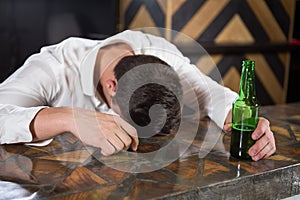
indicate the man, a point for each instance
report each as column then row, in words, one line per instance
column 59, row 90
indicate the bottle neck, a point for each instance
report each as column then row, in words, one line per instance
column 247, row 83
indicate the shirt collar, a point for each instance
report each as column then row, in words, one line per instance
column 88, row 63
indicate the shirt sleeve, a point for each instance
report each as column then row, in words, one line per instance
column 22, row 96
column 214, row 100
column 15, row 122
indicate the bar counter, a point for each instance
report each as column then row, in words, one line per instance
column 67, row 169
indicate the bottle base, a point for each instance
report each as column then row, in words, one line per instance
column 240, row 155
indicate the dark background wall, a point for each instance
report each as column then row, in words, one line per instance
column 26, row 26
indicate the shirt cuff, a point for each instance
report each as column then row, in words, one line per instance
column 17, row 124
column 40, row 143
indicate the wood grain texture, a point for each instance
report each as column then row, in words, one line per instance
column 74, row 174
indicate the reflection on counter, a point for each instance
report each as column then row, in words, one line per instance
column 67, row 169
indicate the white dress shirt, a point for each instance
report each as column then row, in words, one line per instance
column 61, row 75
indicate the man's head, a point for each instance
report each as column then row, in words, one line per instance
column 143, row 82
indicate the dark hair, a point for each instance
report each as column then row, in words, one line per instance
column 152, row 82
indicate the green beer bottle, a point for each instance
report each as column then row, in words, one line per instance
column 244, row 113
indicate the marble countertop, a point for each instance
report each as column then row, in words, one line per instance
column 67, row 169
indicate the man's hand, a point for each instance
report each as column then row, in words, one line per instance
column 265, row 141
column 108, row 132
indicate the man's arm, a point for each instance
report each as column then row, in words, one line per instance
column 265, row 141
column 25, row 117
column 108, row 132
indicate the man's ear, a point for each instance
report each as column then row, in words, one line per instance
column 111, row 85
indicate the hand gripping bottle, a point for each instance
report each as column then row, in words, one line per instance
column 244, row 113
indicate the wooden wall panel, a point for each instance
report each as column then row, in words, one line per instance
column 225, row 22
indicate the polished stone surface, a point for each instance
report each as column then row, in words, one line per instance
column 66, row 169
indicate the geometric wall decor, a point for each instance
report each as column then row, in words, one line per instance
column 225, row 23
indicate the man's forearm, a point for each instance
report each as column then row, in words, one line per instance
column 107, row 132
column 50, row 122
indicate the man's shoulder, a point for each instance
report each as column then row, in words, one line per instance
column 72, row 45
column 78, row 41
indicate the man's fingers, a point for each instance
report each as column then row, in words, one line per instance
column 130, row 130
column 262, row 126
column 114, row 139
column 258, row 146
column 264, row 147
column 265, row 152
column 107, row 148
column 227, row 127
column 124, row 138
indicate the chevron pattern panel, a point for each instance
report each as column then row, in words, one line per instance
column 224, row 22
